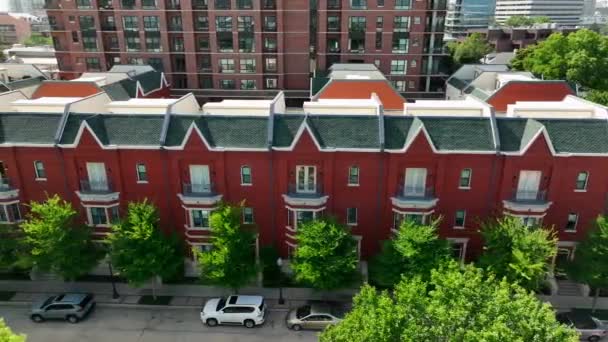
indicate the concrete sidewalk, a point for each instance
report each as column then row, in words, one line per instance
column 184, row 296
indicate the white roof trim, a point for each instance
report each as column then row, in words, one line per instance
column 84, row 125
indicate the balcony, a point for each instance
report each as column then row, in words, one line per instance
column 108, row 27
column 201, row 194
column 94, row 191
column 414, row 197
column 7, row 190
column 305, row 195
column 527, row 201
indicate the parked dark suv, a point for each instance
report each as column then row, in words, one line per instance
column 69, row 306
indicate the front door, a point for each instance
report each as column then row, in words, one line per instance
column 527, row 187
column 98, row 179
column 199, row 178
column 562, row 258
column 415, row 182
column 306, row 179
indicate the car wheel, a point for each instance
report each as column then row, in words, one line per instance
column 212, row 322
column 72, row 319
column 37, row 318
column 593, row 338
column 296, row 327
column 249, row 323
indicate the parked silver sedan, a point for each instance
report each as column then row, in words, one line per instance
column 317, row 315
column 590, row 328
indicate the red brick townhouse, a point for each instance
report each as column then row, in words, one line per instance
column 369, row 170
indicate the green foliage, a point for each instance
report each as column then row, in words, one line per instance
column 454, row 305
column 140, row 251
column 13, row 250
column 36, row 39
column 231, row 261
column 579, row 57
column 57, row 244
column 326, row 255
column 471, row 50
column 7, row 335
column 598, row 96
column 516, row 252
column 517, row 63
column 415, row 250
column 590, row 264
column 520, row 21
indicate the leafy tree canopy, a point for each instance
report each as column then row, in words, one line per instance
column 56, row 242
column 7, row 335
column 520, row 21
column 590, row 264
column 516, row 252
column 598, row 96
column 326, row 255
column 13, row 250
column 453, row 305
column 36, row 39
column 579, row 57
column 139, row 249
column 231, row 261
column 471, row 50
column 415, row 250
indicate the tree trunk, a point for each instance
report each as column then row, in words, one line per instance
column 594, row 303
column 154, row 289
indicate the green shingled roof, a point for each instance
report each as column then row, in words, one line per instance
column 129, row 86
column 577, row 136
column 234, row 132
column 318, row 83
column 32, row 128
column 396, row 129
column 26, row 82
column 116, row 92
column 178, row 126
column 285, row 129
column 469, row 134
column 510, row 133
column 345, row 131
column 148, row 80
column 120, row 129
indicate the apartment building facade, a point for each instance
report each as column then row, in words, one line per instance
column 371, row 171
column 566, row 12
column 464, row 15
column 252, row 48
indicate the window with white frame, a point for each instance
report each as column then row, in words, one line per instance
column 398, row 67
column 142, row 173
column 399, row 218
column 571, row 223
column 353, row 176
column 415, row 182
column 581, row 181
column 531, row 221
column 98, row 216
column 458, row 250
column 297, row 217
column 246, row 175
column 10, row 213
column 205, row 247
column 465, row 179
column 351, row 216
column 199, row 218
column 528, row 185
column 248, row 215
column 459, row 218
column 39, row 169
column 306, row 179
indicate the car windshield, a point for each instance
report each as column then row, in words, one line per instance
column 48, row 301
column 85, row 300
column 261, row 307
column 303, row 311
column 221, row 304
column 338, row 312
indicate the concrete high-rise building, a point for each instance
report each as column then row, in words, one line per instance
column 568, row 12
column 464, row 15
column 35, row 7
column 253, row 48
column 589, row 8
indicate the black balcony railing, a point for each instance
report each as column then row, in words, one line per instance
column 106, row 27
column 305, row 190
column 527, row 196
column 95, row 187
column 198, row 190
column 415, row 192
column 5, row 185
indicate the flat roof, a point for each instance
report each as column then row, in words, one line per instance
column 47, row 101
column 143, row 103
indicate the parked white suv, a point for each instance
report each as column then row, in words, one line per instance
column 242, row 310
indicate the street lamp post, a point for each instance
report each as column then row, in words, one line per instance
column 115, row 294
column 281, row 299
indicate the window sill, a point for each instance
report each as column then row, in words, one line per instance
column 464, row 188
column 352, row 224
column 100, row 225
column 40, row 179
column 142, row 182
column 569, row 231
column 353, row 185
column 250, row 184
column 201, row 229
column 580, row 190
column 458, row 227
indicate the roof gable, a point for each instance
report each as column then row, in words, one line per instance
column 234, row 132
column 515, row 91
column 115, row 130
column 28, row 128
column 345, row 132
column 459, row 134
column 286, row 128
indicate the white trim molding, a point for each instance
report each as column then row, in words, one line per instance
column 200, row 200
column 9, row 194
column 414, row 203
column 109, row 197
column 528, row 207
column 305, row 201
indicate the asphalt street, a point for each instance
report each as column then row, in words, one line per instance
column 149, row 325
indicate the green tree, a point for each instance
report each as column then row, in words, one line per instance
column 519, row 21
column 13, row 250
column 517, row 63
column 140, row 251
column 541, row 20
column 7, row 335
column 598, row 96
column 326, row 255
column 416, row 249
column 471, row 50
column 579, row 57
column 56, row 242
column 517, row 252
column 590, row 264
column 231, row 261
column 453, row 305
column 36, row 39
